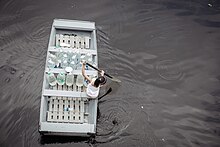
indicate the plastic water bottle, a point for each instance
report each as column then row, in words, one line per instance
column 51, row 79
column 79, row 66
column 73, row 65
column 65, row 57
column 79, row 80
column 61, row 79
column 64, row 64
column 69, row 54
column 73, row 58
column 50, row 63
column 53, row 57
column 59, row 55
column 89, row 60
column 83, row 57
column 89, row 57
column 69, row 79
column 77, row 59
column 58, row 63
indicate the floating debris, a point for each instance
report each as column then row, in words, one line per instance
column 210, row 5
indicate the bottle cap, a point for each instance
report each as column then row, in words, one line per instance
column 68, row 69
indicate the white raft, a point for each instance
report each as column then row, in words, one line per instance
column 65, row 109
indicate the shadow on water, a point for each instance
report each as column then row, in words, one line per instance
column 64, row 139
column 208, row 23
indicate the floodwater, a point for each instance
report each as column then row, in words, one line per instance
column 165, row 52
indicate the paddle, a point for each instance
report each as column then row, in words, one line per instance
column 109, row 90
column 111, row 77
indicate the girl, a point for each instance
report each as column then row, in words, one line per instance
column 94, row 83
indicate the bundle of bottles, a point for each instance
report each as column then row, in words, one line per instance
column 63, row 78
column 68, row 59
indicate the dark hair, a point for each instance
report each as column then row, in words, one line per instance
column 100, row 81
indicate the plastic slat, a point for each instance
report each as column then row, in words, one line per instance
column 68, row 41
column 66, row 118
column 57, row 39
column 87, row 40
column 79, row 88
column 64, row 93
column 74, row 83
column 51, row 104
column 83, row 51
column 71, row 112
column 65, row 38
column 82, row 43
column 77, row 41
column 86, row 106
column 77, row 110
column 65, row 41
column 82, row 109
column 71, row 116
column 49, row 116
column 71, row 103
column 55, row 109
column 50, row 112
column 60, row 109
column 72, row 40
column 61, row 39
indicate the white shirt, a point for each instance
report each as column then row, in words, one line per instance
column 92, row 91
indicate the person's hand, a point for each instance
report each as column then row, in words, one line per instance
column 102, row 73
column 83, row 62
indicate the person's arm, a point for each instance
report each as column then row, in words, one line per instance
column 83, row 72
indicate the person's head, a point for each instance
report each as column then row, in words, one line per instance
column 100, row 81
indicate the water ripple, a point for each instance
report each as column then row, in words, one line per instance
column 169, row 70
column 36, row 29
column 114, row 119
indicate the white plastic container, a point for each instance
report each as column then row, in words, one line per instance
column 73, row 65
column 53, row 57
column 79, row 80
column 69, row 79
column 61, row 79
column 89, row 58
column 64, row 64
column 50, row 63
column 51, row 79
column 65, row 57
column 59, row 55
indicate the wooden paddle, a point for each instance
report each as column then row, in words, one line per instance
column 111, row 77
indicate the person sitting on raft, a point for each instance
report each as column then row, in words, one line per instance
column 94, row 83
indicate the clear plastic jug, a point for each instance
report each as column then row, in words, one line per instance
column 61, row 79
column 51, row 79
column 69, row 79
column 50, row 63
column 79, row 80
